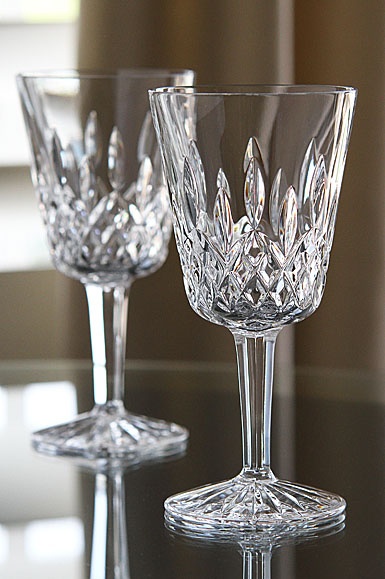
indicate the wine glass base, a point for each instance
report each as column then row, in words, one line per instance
column 245, row 504
column 109, row 432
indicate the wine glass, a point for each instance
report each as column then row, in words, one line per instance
column 254, row 174
column 102, row 195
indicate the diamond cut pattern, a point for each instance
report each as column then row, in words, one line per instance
column 269, row 267
column 102, row 227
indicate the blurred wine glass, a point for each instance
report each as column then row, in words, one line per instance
column 104, row 202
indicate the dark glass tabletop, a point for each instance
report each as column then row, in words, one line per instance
column 63, row 520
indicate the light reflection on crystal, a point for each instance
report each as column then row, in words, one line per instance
column 236, row 274
column 99, row 226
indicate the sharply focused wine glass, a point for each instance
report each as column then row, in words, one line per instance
column 102, row 195
column 254, row 174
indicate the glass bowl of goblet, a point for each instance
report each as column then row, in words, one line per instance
column 255, row 174
column 103, row 199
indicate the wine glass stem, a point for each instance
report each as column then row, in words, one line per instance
column 109, row 537
column 108, row 309
column 120, row 543
column 100, row 527
column 257, row 565
column 255, row 359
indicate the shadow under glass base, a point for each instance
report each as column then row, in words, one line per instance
column 109, row 432
column 245, row 504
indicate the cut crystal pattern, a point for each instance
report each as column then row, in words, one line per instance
column 102, row 229
column 109, row 432
column 245, row 504
column 268, row 268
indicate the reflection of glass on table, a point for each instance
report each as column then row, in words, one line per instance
column 339, row 419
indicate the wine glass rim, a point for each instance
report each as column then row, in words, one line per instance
column 84, row 74
column 253, row 90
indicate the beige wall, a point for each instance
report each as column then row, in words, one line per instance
column 46, row 314
column 343, row 42
column 223, row 43
column 220, row 39
column 336, row 41
column 41, row 316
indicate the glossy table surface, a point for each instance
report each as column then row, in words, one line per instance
column 61, row 520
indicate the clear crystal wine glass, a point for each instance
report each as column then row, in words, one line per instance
column 102, row 195
column 254, row 174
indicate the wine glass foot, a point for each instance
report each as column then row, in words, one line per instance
column 109, row 432
column 245, row 504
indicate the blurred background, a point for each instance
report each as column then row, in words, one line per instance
column 44, row 315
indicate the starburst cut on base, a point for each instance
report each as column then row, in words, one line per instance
column 245, row 504
column 109, row 432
